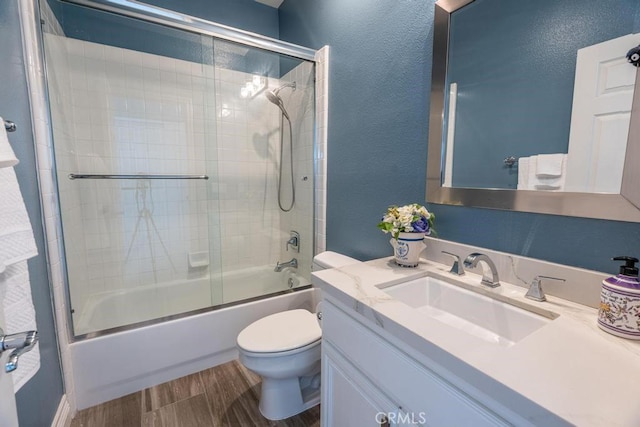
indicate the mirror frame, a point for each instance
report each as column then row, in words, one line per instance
column 619, row 207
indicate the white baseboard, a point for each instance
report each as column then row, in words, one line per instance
column 63, row 414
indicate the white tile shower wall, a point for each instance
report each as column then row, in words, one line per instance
column 249, row 216
column 131, row 113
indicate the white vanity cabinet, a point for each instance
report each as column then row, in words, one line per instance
column 349, row 399
column 367, row 381
column 429, row 348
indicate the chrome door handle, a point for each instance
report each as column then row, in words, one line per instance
column 20, row 343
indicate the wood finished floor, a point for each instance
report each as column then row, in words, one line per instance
column 226, row 395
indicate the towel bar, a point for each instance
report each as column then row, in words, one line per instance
column 95, row 176
column 9, row 126
column 510, row 161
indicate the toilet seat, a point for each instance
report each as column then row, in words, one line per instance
column 281, row 332
column 280, row 354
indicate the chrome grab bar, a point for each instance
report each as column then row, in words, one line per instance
column 101, row 176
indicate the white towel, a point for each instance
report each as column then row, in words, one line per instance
column 523, row 173
column 7, row 157
column 16, row 246
column 547, row 187
column 550, row 165
column 546, row 183
column 16, row 237
column 20, row 316
column 532, row 179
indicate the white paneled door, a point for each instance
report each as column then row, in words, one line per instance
column 602, row 99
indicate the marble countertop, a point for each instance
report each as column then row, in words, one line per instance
column 569, row 367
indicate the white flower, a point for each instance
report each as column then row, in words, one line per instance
column 401, row 219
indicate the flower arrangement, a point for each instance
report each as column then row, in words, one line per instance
column 412, row 218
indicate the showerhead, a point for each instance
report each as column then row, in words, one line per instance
column 273, row 97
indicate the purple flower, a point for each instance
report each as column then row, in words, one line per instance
column 421, row 225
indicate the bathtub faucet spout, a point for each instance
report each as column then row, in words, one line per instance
column 281, row 265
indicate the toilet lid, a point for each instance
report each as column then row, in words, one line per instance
column 278, row 332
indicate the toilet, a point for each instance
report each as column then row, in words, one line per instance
column 284, row 349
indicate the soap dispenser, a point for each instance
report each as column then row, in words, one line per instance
column 619, row 312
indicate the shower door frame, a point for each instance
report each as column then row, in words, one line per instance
column 170, row 18
column 177, row 20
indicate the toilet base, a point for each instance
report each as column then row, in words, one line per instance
column 284, row 398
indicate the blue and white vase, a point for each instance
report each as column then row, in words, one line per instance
column 407, row 248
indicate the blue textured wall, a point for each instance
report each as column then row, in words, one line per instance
column 38, row 399
column 514, row 63
column 380, row 67
column 380, row 81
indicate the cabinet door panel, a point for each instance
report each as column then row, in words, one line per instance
column 348, row 399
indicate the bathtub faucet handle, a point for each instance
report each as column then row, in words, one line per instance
column 294, row 241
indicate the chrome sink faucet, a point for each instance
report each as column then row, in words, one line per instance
column 281, row 265
column 491, row 280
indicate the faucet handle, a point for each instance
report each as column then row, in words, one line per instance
column 457, row 267
column 535, row 291
column 20, row 343
column 294, row 241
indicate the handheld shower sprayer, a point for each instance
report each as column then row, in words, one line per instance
column 273, row 97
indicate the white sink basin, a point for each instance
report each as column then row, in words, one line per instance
column 484, row 317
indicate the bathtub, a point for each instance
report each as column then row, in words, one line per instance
column 114, row 365
column 112, row 309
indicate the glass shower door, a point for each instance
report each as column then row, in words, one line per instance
column 265, row 112
column 185, row 166
column 132, row 117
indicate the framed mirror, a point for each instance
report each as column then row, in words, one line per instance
column 489, row 115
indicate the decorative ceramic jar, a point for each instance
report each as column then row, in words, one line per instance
column 407, row 248
column 619, row 312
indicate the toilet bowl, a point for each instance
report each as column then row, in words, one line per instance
column 284, row 349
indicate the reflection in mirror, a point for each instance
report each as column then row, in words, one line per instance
column 531, row 106
column 544, row 84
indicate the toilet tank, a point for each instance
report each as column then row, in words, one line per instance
column 329, row 259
